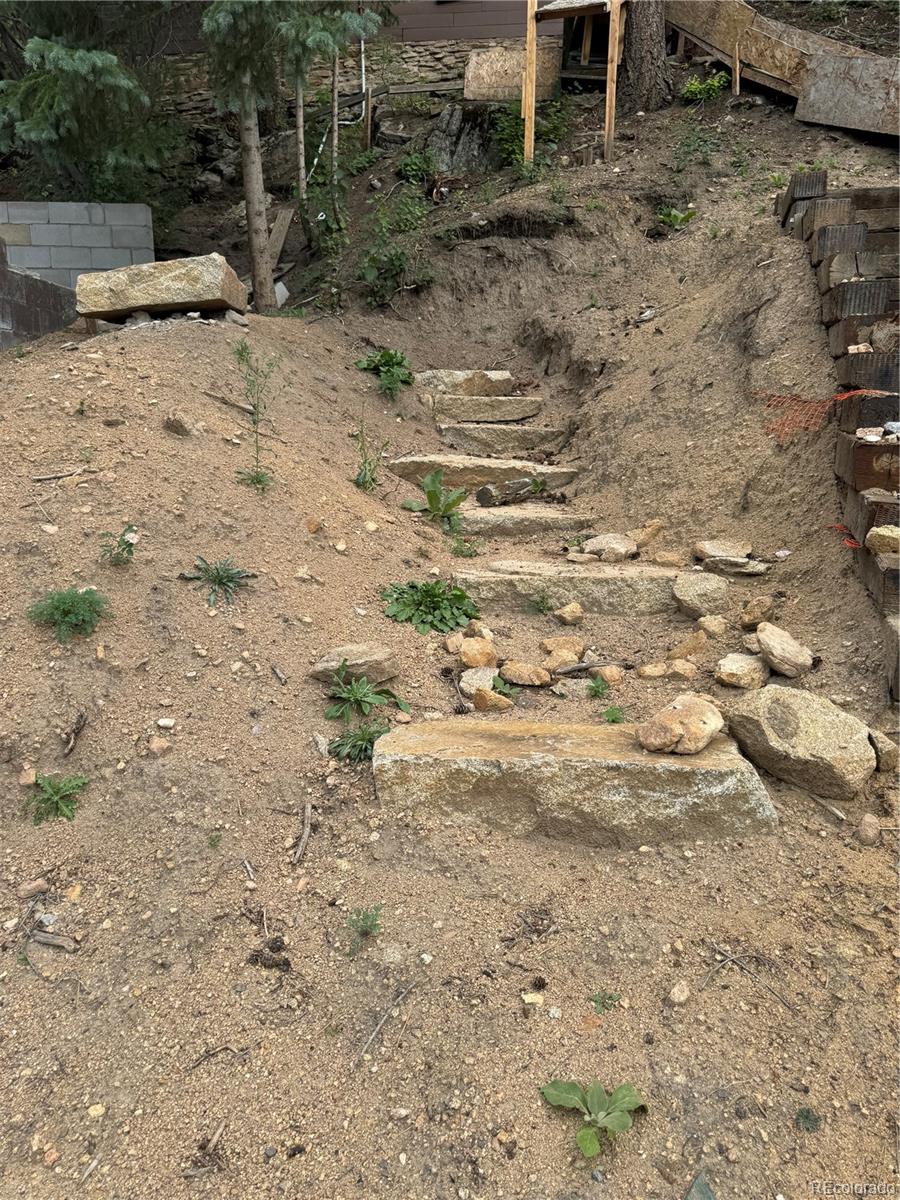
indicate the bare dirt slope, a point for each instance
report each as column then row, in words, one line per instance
column 155, row 1060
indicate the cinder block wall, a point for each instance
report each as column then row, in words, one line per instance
column 58, row 241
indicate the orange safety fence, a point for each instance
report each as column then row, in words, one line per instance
column 803, row 414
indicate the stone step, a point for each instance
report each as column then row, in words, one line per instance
column 464, row 470
column 447, row 406
column 612, row 589
column 519, row 520
column 503, row 441
column 465, row 383
column 591, row 784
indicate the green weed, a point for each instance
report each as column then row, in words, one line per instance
column 222, row 579
column 697, row 90
column 73, row 611
column 674, row 219
column 601, row 1112
column 366, row 478
column 434, row 605
column 118, row 549
column 55, row 797
column 440, row 503
column 542, row 603
column 357, row 697
column 415, row 166
column 463, row 547
column 390, row 368
column 356, row 745
column 696, row 145
column 808, row 1120
column 503, row 688
column 604, row 1002
column 614, row 715
column 257, row 376
column 214, row 841
column 364, row 924
column 597, row 688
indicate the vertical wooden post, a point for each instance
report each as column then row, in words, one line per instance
column 368, row 119
column 736, row 71
column 587, row 34
column 612, row 67
column 528, row 86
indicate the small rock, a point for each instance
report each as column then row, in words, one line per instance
column 139, row 317
column 525, row 674
column 577, row 556
column 609, row 673
column 760, row 608
column 680, row 994
column 868, row 831
column 177, row 423
column 559, row 658
column 490, row 701
column 713, row 626
column 883, row 539
column 742, row 671
column 27, row 776
column 453, row 641
column 50, row 528
column 736, row 566
column 686, row 726
column 159, row 746
column 716, row 549
column 570, row 614
column 477, row 652
column 887, row 756
column 653, row 670
column 669, row 558
column 476, row 679
column 371, row 526
column 236, row 318
column 646, row 533
column 339, row 547
column 782, row 652
column 96, row 1110
column 166, row 722
column 750, row 643
column 573, row 645
column 682, row 669
column 611, row 547
column 699, row 595
column 370, row 659
column 34, row 887
column 692, row 644
column 478, row 629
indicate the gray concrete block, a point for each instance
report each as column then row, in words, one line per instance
column 63, row 278
column 106, row 260
column 138, row 236
column 28, row 211
column 4, row 212
column 71, row 256
column 28, row 258
column 67, row 213
column 15, row 235
column 142, row 256
column 97, row 214
column 91, row 235
column 127, row 214
column 51, row 235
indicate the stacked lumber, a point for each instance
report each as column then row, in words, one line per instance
column 852, row 238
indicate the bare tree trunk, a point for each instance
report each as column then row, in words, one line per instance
column 255, row 200
column 647, row 85
column 335, row 65
column 301, row 144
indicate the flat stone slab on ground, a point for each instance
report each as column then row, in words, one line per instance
column 465, row 383
column 464, row 470
column 447, row 407
column 519, row 520
column 613, row 589
column 202, row 284
column 500, row 440
column 590, row 783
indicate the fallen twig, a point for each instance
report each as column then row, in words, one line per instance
column 72, row 735
column 208, row 1054
column 279, row 674
column 58, row 941
column 300, row 850
column 742, row 966
column 60, row 475
column 378, row 1028
column 251, row 875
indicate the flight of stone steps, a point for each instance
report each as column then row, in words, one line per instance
column 588, row 782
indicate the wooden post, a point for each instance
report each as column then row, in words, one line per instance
column 736, row 71
column 368, row 120
column 587, row 34
column 528, row 87
column 612, row 66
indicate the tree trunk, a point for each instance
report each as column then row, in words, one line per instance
column 255, row 200
column 301, row 145
column 646, row 85
column 335, row 65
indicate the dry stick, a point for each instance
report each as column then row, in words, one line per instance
column 208, row 1054
column 279, row 674
column 61, row 475
column 742, row 966
column 378, row 1028
column 297, row 856
column 72, row 736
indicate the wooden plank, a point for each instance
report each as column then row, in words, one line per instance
column 802, row 185
column 846, row 333
column 876, row 372
column 851, row 92
column 881, row 241
column 826, row 211
column 885, row 196
column 586, row 36
column 280, row 227
column 866, row 265
column 879, row 220
column 836, row 239
column 875, row 264
column 616, row 17
column 837, row 268
column 528, row 86
column 881, row 575
column 866, row 465
column 864, row 510
column 794, row 223
column 867, row 296
column 867, row 409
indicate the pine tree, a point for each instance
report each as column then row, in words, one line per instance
column 647, row 84
column 241, row 37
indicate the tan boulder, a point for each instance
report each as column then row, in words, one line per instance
column 686, row 726
column 644, row 535
column 721, row 549
column 713, row 626
column 699, row 595
column 486, row 700
column 363, row 659
column 609, row 673
column 525, row 674
column 682, row 669
column 694, row 643
column 782, row 652
column 576, row 556
column 669, row 558
column 477, row 652
column 611, row 547
column 559, row 658
column 760, row 608
column 453, row 641
column 742, row 671
column 564, row 642
column 868, row 831
column 887, row 753
column 476, row 678
column 653, row 670
column 478, row 629
column 570, row 614
column 202, row 284
column 883, row 539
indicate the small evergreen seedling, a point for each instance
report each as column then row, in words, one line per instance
column 434, row 605
column 601, row 1112
column 257, row 375
column 365, row 924
column 808, row 1120
column 369, row 462
column 597, row 688
column 440, row 503
column 71, row 612
column 55, row 797
column 390, row 368
column 357, row 696
column 222, row 578
column 118, row 549
column 356, row 745
column 542, row 603
column 614, row 715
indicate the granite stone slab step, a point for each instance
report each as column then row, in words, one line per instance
column 449, row 407
column 465, row 383
column 463, row 470
column 593, row 784
column 502, row 441
column 520, row 520
column 612, row 589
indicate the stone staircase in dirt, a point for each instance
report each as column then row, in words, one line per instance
column 590, row 782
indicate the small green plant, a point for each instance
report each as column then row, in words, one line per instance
column 808, row 1120
column 357, row 696
column 73, row 611
column 214, row 841
column 440, row 503
column 604, row 1002
column 222, row 579
column 55, row 796
column 614, row 715
column 601, row 1112
column 696, row 145
column 364, row 924
column 415, row 166
column 390, row 368
column 597, row 688
column 463, row 547
column 697, row 90
column 542, row 603
column 538, row 487
column 362, row 161
column 434, row 605
column 118, row 549
column 674, row 218
column 503, row 688
column 777, row 178
column 366, row 477
column 356, row 745
column 257, row 375
column 558, row 192
column 81, row 410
